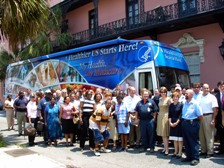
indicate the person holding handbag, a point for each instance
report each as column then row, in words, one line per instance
column 32, row 115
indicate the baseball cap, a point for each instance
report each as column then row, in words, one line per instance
column 178, row 88
column 48, row 91
column 32, row 96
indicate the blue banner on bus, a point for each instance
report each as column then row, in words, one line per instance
column 103, row 64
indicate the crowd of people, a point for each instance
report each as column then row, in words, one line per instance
column 190, row 118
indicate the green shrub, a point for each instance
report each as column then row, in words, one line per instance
column 2, row 142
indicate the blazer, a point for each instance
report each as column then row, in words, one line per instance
column 219, row 115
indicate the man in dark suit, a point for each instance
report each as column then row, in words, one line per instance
column 219, row 126
column 155, row 97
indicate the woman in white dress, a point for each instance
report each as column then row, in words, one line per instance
column 9, row 112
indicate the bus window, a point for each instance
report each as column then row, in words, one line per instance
column 145, row 80
column 129, row 81
column 166, row 77
column 183, row 78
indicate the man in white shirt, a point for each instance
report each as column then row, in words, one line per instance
column 182, row 97
column 131, row 100
column 209, row 106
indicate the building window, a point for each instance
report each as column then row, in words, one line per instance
column 132, row 7
column 187, row 7
column 194, row 58
column 92, row 23
column 193, row 61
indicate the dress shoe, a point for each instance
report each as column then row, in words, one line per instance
column 194, row 162
column 203, row 154
column 178, row 156
column 174, row 155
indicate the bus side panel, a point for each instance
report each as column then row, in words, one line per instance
column 103, row 67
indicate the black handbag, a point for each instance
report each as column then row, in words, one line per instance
column 40, row 126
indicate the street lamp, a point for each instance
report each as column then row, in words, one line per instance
column 221, row 49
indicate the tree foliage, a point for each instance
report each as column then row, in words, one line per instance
column 22, row 20
column 32, row 40
column 5, row 59
column 43, row 43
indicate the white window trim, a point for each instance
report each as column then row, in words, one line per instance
column 188, row 41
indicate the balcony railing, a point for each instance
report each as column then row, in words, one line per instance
column 153, row 17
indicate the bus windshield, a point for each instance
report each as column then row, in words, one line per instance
column 170, row 76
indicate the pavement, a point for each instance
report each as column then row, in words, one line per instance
column 18, row 153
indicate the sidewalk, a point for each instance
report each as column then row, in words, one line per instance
column 16, row 154
column 20, row 154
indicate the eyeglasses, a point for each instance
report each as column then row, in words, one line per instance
column 196, row 87
column 162, row 92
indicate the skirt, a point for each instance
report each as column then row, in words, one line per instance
column 122, row 129
column 67, row 126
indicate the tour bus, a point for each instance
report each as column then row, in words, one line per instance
column 139, row 63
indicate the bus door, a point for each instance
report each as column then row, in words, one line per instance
column 145, row 79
